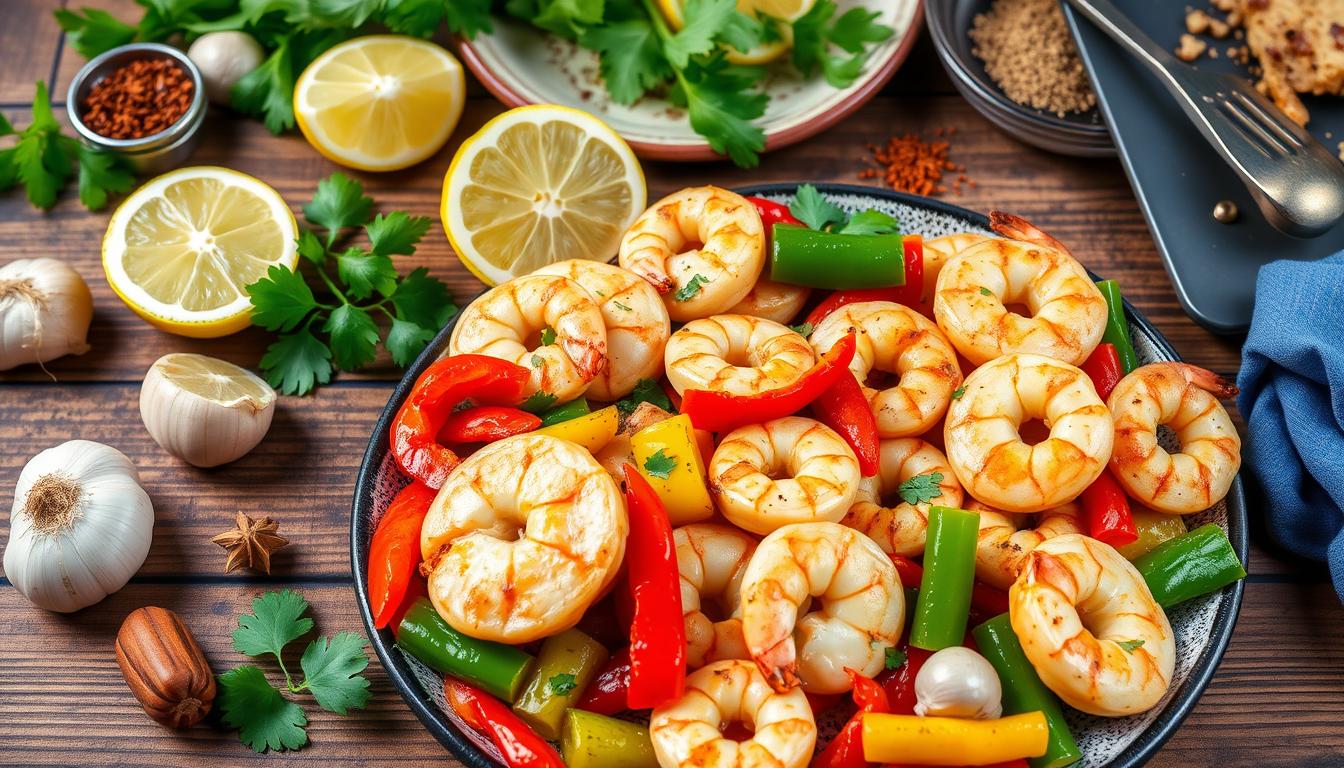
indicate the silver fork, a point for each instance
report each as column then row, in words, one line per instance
column 1296, row 182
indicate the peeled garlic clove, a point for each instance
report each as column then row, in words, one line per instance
column 45, row 309
column 223, row 58
column 205, row 411
column 958, row 682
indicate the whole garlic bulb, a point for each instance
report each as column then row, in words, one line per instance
column 45, row 309
column 958, row 682
column 205, row 411
column 223, row 58
column 80, row 527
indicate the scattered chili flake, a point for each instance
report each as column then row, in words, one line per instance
column 910, row 164
column 138, row 99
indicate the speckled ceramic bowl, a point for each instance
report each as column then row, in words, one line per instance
column 1203, row 627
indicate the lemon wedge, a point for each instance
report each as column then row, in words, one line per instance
column 538, row 185
column 182, row 248
column 380, row 103
column 785, row 11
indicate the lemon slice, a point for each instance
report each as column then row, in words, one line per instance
column 180, row 250
column 215, row 380
column 538, row 185
column 785, row 11
column 380, row 103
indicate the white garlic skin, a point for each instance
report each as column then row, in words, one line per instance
column 958, row 682
column 45, row 310
column 223, row 58
column 66, row 557
column 203, row 432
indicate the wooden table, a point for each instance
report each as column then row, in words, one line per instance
column 1276, row 700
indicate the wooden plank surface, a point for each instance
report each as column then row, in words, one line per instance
column 1274, row 701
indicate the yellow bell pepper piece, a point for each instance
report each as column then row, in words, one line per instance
column 591, row 430
column 1154, row 528
column 951, row 740
column 681, row 485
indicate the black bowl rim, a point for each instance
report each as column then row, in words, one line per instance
column 404, row 680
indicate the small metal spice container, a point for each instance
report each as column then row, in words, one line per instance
column 158, row 152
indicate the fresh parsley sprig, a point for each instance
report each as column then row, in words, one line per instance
column 43, row 159
column 813, row 209
column 366, row 283
column 264, row 716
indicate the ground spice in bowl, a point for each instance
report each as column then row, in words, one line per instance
column 139, row 99
column 1028, row 52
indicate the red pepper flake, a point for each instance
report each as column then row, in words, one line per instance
column 138, row 99
column 910, row 164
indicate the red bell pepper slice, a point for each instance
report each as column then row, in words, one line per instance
column 1103, row 366
column 417, row 589
column 486, row 424
column 773, row 213
column 846, row 749
column 985, row 599
column 520, row 746
column 721, row 412
column 446, row 384
column 844, row 409
column 1106, row 511
column 394, row 551
column 821, row 702
column 609, row 692
column 910, row 294
column 899, row 683
column 657, row 629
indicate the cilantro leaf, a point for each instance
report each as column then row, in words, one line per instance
column 280, row 300
column 40, row 159
column 705, row 21
column 364, row 272
column 985, row 291
column 94, row 32
column 311, row 248
column 423, row 300
column 536, row 361
column 566, row 18
column 9, row 171
column 1129, row 646
column 467, row 17
column 809, row 37
column 921, row 488
column 856, row 28
column 895, row 658
column 721, row 107
column 622, row 307
column 99, row 174
column 660, row 464
column 562, row 683
column 331, row 668
column 339, row 202
column 802, row 329
column 691, row 288
column 406, row 340
column 344, row 13
column 630, row 58
column 813, row 209
column 418, row 18
column 396, row 233
column 853, row 32
column 354, row 337
column 538, row 402
column 547, row 336
column 268, row 90
column 870, row 222
column 276, row 620
column 958, row 392
column 5, row 128
column 645, row 391
column 297, row 362
column 264, row 719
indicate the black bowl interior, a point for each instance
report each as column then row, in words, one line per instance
column 362, row 523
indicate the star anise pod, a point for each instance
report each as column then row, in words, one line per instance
column 251, row 543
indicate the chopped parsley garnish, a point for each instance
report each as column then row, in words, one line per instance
column 660, row 464
column 921, row 488
column 692, row 288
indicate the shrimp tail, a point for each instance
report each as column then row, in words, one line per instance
column 660, row 280
column 1014, row 227
column 779, row 664
column 589, row 357
column 1208, row 381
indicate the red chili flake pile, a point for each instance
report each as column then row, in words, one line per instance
column 910, row 164
column 138, row 99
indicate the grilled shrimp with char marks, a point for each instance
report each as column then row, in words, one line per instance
column 1091, row 628
column 898, row 526
column 711, row 559
column 738, row 354
column 1005, row 539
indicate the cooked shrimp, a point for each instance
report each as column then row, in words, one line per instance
column 936, row 253
column 525, row 534
column 1006, row 539
column 988, row 455
column 780, row 302
column 739, row 354
column 703, row 235
column 635, row 319
column 1091, row 628
column 897, row 525
column 977, row 287
column 508, row 321
column 790, row 470
column 857, row 606
column 894, row 339
column 688, row 732
column 1182, row 397
column 711, row 559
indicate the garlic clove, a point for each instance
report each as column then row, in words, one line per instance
column 205, row 411
column 45, row 310
column 958, row 682
column 223, row 58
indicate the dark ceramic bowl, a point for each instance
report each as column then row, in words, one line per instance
column 1203, row 627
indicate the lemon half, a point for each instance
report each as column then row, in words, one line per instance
column 538, row 185
column 180, row 250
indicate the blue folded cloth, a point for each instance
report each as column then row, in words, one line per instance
column 1292, row 397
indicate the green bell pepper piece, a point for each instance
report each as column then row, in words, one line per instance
column 590, row 740
column 566, row 664
column 1197, row 563
column 949, row 574
column 1023, row 691
column 571, row 410
column 1117, row 327
column 498, row 669
column 803, row 256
